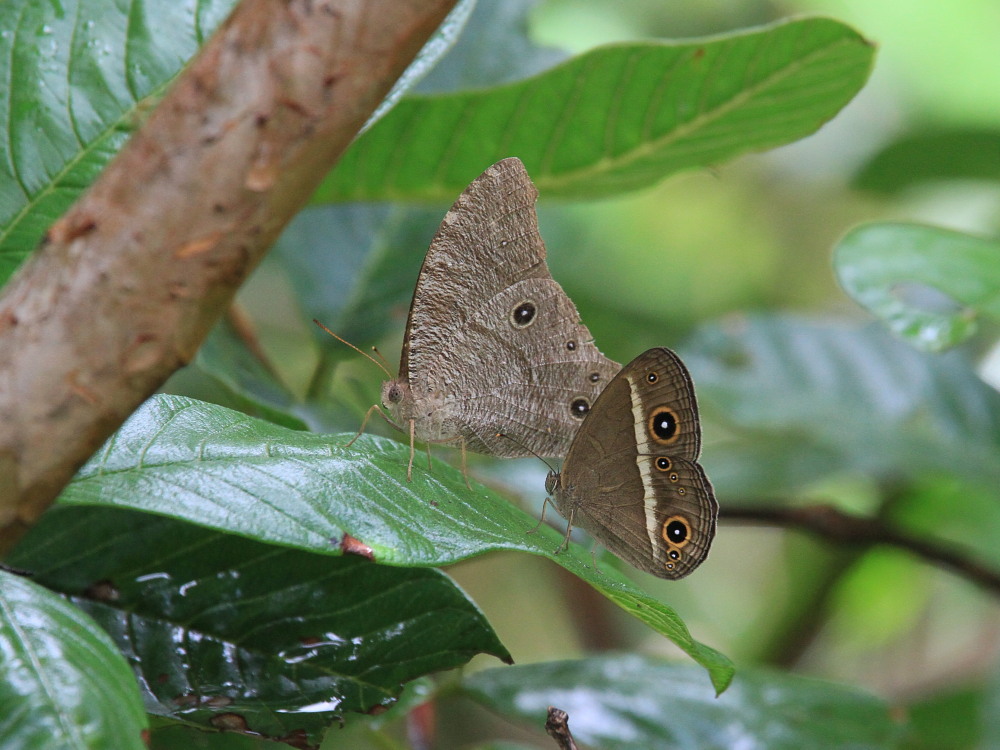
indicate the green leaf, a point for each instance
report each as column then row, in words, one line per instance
column 217, row 625
column 617, row 702
column 886, row 266
column 617, row 118
column 353, row 267
column 494, row 48
column 802, row 400
column 249, row 385
column 180, row 737
column 63, row 684
column 77, row 74
column 934, row 156
column 224, row 470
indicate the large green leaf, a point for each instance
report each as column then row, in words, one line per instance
column 63, row 684
column 885, row 267
column 77, row 74
column 616, row 118
column 221, row 469
column 801, row 400
column 216, row 624
column 630, row 702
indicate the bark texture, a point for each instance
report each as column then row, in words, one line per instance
column 127, row 284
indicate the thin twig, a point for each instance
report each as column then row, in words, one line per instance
column 557, row 726
column 835, row 525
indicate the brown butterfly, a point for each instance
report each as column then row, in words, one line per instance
column 493, row 344
column 631, row 477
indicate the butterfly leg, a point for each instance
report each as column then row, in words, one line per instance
column 569, row 530
column 375, row 408
column 541, row 520
column 465, row 466
column 409, row 466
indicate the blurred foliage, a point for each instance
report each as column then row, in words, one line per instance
column 807, row 399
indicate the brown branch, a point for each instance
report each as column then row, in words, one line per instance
column 836, row 526
column 127, row 284
column 557, row 727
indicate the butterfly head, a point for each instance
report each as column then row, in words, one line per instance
column 393, row 393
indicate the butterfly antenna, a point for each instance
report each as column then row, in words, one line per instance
column 518, row 443
column 363, row 354
column 379, row 355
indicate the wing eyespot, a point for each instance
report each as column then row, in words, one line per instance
column 523, row 314
column 663, row 425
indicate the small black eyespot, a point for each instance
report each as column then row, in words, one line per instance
column 652, row 377
column 674, row 554
column 675, row 530
column 579, row 408
column 672, row 476
column 664, row 464
column 523, row 315
column 571, row 345
column 504, row 243
column 663, row 424
column 669, row 566
column 681, row 491
column 594, row 377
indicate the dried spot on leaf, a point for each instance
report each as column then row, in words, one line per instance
column 102, row 591
column 351, row 546
column 230, row 722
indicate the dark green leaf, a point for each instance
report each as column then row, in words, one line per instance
column 618, row 702
column 354, row 267
column 216, row 624
column 179, row 737
column 249, row 384
column 925, row 157
column 222, row 469
column 798, row 396
column 63, row 684
column 616, row 118
column 928, row 284
column 77, row 73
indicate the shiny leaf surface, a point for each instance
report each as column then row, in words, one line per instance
column 217, row 626
column 630, row 702
column 78, row 74
column 221, row 469
column 927, row 284
column 63, row 684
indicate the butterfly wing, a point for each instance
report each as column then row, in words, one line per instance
column 492, row 339
column 631, row 478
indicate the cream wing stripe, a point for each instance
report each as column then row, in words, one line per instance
column 648, row 498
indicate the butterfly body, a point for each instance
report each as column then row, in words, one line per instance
column 494, row 355
column 631, row 477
